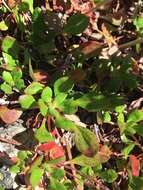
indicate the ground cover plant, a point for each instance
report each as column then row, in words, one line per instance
column 72, row 71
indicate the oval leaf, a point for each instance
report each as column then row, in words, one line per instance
column 34, row 88
column 135, row 164
column 26, row 101
column 63, row 85
column 36, row 176
column 43, row 107
column 9, row 116
column 76, row 24
column 10, row 46
column 47, row 94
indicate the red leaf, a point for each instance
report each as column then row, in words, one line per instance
column 56, row 152
column 9, row 115
column 47, row 146
column 135, row 164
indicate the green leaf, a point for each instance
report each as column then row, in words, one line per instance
column 43, row 107
column 138, row 22
column 6, row 88
column 10, row 61
column 126, row 151
column 47, row 94
column 1, row 188
column 15, row 169
column 27, row 5
column 109, row 176
column 42, row 134
column 106, row 117
column 121, row 122
column 120, row 109
column 60, row 98
column 68, row 106
column 65, row 124
column 135, row 116
column 97, row 102
column 76, row 24
column 37, row 162
column 3, row 26
column 10, row 46
column 56, row 185
column 63, row 85
column 34, row 88
column 22, row 155
column 36, row 176
column 86, row 141
column 56, row 173
column 20, row 84
column 139, row 129
column 99, row 158
column 16, row 74
column 136, row 183
column 26, row 101
column 7, row 77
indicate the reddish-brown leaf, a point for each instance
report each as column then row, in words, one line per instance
column 90, row 47
column 47, row 146
column 77, row 75
column 135, row 164
column 54, row 149
column 56, row 152
column 9, row 115
column 41, row 76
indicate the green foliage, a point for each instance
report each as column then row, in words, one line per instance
column 59, row 42
column 26, row 101
column 33, row 88
column 109, row 176
column 36, row 176
column 42, row 134
column 55, row 185
column 47, row 94
column 138, row 22
column 76, row 24
column 10, row 46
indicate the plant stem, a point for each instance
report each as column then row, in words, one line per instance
column 131, row 43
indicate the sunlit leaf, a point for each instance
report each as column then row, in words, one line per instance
column 34, row 88
column 135, row 116
column 3, row 25
column 36, row 176
column 7, row 77
column 47, row 94
column 43, row 107
column 10, row 46
column 126, row 151
column 42, row 134
column 6, row 88
column 26, row 101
